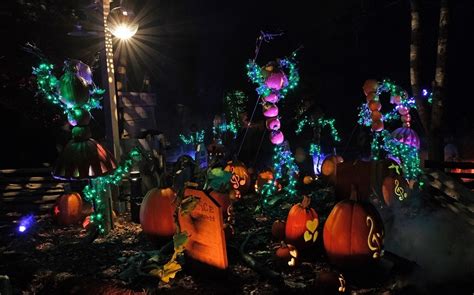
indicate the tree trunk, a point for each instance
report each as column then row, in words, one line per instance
column 421, row 105
column 439, row 91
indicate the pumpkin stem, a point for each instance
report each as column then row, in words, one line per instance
column 354, row 193
column 306, row 201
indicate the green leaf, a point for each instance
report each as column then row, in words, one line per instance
column 179, row 241
column 168, row 271
column 188, row 205
column 218, row 179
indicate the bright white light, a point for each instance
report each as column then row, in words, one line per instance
column 124, row 31
column 22, row 228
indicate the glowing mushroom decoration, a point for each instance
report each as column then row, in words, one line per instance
column 82, row 157
column 407, row 136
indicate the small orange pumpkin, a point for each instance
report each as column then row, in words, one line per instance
column 301, row 225
column 377, row 125
column 156, row 213
column 240, row 179
column 374, row 105
column 278, row 230
column 370, row 86
column 264, row 177
column 353, row 233
column 288, row 254
column 68, row 209
column 329, row 166
column 308, row 179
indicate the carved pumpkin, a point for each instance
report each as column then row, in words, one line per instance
column 240, row 179
column 329, row 282
column 302, row 223
column 353, row 233
column 278, row 230
column 394, row 188
column 68, row 209
column 156, row 213
column 288, row 254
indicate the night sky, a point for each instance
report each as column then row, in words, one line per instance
column 197, row 50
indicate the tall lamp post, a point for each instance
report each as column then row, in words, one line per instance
column 120, row 23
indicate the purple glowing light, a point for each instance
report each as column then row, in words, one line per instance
column 21, row 228
column 425, row 92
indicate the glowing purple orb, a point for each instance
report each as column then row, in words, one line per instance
column 273, row 98
column 276, row 80
column 273, row 124
column 276, row 137
column 270, row 110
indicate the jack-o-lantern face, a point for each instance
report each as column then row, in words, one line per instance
column 240, row 179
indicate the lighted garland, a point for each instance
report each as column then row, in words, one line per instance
column 408, row 155
column 273, row 85
column 94, row 192
column 322, row 122
column 234, row 105
column 256, row 75
column 404, row 142
column 194, row 138
column 224, row 127
column 283, row 161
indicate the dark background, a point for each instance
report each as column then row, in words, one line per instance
column 195, row 51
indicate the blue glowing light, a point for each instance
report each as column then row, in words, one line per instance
column 25, row 223
column 425, row 92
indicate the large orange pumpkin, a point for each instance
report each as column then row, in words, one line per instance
column 240, row 179
column 157, row 213
column 302, row 223
column 353, row 233
column 68, row 209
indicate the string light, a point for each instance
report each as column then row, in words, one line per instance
column 95, row 191
column 222, row 128
column 194, row 138
column 408, row 155
column 283, row 161
column 234, row 105
column 255, row 73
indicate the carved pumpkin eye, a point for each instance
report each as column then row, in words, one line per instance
column 292, row 262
